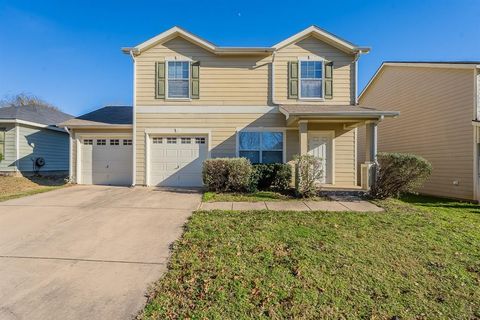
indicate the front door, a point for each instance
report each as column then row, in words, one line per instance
column 320, row 146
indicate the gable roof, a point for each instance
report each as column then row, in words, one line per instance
column 421, row 64
column 312, row 30
column 35, row 114
column 108, row 116
column 325, row 36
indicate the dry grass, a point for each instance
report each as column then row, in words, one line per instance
column 15, row 187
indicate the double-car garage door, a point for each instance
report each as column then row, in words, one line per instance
column 174, row 161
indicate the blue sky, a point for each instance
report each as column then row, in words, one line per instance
column 68, row 52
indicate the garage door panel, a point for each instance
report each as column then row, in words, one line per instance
column 177, row 164
column 109, row 164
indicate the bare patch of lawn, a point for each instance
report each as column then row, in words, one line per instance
column 16, row 187
column 417, row 260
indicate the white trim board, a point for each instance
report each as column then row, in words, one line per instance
column 33, row 124
column 207, row 109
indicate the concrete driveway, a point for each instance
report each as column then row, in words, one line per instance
column 86, row 252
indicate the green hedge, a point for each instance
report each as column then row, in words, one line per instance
column 399, row 173
column 227, row 174
column 275, row 176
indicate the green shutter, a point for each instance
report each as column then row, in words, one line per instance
column 195, row 81
column 160, row 80
column 329, row 80
column 293, row 80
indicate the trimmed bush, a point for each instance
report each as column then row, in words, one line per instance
column 275, row 176
column 308, row 170
column 399, row 173
column 227, row 174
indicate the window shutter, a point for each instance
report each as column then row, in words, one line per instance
column 160, row 80
column 195, row 80
column 293, row 80
column 328, row 80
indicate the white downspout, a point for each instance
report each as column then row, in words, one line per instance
column 355, row 61
column 70, row 153
column 134, row 122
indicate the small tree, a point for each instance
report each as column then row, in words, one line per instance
column 24, row 99
column 308, row 171
column 399, row 173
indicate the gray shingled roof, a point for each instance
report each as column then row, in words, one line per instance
column 334, row 110
column 109, row 115
column 37, row 114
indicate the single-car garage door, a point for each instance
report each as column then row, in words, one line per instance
column 176, row 161
column 106, row 160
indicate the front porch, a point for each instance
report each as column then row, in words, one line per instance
column 330, row 133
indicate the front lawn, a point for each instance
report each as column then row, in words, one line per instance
column 418, row 260
column 251, row 197
column 16, row 187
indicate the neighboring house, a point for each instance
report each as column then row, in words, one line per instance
column 29, row 133
column 194, row 100
column 437, row 101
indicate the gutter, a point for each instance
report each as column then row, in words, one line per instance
column 273, row 80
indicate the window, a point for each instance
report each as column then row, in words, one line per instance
column 2, row 143
column 88, row 142
column 114, row 142
column 157, row 140
column 261, row 147
column 171, row 140
column 127, row 142
column 186, row 140
column 311, row 74
column 178, row 79
column 200, row 140
column 101, row 142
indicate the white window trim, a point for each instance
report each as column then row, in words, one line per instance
column 308, row 59
column 189, row 80
column 283, row 130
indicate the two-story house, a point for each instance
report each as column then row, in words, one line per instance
column 438, row 101
column 194, row 100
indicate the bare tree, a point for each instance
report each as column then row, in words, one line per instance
column 24, row 99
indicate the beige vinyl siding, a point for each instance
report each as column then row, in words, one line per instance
column 242, row 79
column 48, row 144
column 77, row 134
column 10, row 156
column 223, row 130
column 344, row 152
column 343, row 70
column 436, row 110
column 224, row 80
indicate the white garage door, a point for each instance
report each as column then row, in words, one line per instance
column 106, row 161
column 177, row 161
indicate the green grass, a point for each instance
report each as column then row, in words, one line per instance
column 418, row 260
column 251, row 197
column 28, row 193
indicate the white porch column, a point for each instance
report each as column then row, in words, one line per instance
column 368, row 169
column 303, row 136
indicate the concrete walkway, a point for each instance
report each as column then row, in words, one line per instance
column 347, row 204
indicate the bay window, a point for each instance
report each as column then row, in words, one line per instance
column 261, row 146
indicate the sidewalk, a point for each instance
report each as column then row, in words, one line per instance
column 334, row 205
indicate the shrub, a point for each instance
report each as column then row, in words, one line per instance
column 308, row 170
column 275, row 176
column 227, row 174
column 399, row 173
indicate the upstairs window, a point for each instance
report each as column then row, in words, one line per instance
column 261, row 147
column 311, row 74
column 178, row 79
